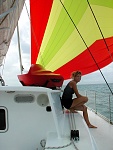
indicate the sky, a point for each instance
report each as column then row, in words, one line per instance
column 11, row 66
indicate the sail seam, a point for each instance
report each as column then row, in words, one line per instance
column 86, row 46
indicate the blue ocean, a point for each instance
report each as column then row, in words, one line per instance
column 100, row 98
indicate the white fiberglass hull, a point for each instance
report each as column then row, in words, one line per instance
column 28, row 123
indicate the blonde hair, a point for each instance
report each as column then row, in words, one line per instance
column 75, row 73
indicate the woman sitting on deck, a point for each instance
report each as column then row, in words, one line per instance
column 78, row 102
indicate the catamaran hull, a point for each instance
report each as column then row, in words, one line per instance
column 32, row 118
column 27, row 122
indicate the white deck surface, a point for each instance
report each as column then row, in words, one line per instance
column 103, row 134
column 85, row 143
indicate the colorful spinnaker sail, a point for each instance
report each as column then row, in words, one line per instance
column 68, row 35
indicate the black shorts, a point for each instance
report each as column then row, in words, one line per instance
column 67, row 103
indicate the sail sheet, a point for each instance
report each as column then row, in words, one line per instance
column 69, row 35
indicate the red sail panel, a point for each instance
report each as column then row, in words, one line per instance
column 84, row 62
column 39, row 10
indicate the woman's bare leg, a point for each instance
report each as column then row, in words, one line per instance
column 79, row 101
column 85, row 115
column 86, row 118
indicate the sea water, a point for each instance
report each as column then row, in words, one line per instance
column 100, row 98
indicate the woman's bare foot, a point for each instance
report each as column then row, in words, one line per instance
column 66, row 111
column 73, row 110
column 91, row 126
column 70, row 111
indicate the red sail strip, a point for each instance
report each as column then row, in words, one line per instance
column 85, row 63
column 39, row 10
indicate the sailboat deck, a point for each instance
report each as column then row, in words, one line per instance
column 103, row 135
column 85, row 140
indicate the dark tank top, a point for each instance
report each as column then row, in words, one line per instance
column 68, row 92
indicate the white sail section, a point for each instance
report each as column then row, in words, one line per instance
column 10, row 11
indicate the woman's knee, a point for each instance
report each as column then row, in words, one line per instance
column 85, row 99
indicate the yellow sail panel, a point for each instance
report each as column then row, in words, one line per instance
column 71, row 32
column 74, row 45
column 60, row 34
column 55, row 12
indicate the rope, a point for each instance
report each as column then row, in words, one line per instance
column 72, row 125
column 34, row 35
column 59, row 147
column 13, row 8
column 73, row 120
column 74, row 144
column 100, row 29
column 86, row 46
